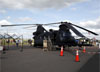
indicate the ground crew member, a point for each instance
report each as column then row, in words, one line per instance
column 17, row 43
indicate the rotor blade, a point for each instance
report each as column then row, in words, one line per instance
column 74, row 30
column 28, row 24
column 17, row 25
column 84, row 29
column 52, row 23
column 45, row 29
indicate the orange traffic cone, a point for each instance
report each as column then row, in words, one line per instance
column 77, row 56
column 61, row 52
column 84, row 50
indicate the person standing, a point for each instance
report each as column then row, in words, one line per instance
column 30, row 42
column 17, row 43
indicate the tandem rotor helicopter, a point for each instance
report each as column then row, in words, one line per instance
column 61, row 37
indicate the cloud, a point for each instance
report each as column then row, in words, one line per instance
column 3, row 11
column 4, row 22
column 39, row 4
column 92, row 24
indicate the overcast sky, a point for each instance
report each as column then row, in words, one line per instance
column 85, row 13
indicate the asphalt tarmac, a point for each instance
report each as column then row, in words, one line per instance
column 36, row 60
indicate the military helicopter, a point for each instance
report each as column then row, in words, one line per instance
column 61, row 37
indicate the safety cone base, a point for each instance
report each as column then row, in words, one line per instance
column 61, row 55
column 77, row 61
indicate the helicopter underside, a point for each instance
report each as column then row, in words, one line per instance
column 68, row 42
column 38, row 42
column 65, row 42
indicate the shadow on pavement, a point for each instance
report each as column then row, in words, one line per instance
column 92, row 65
